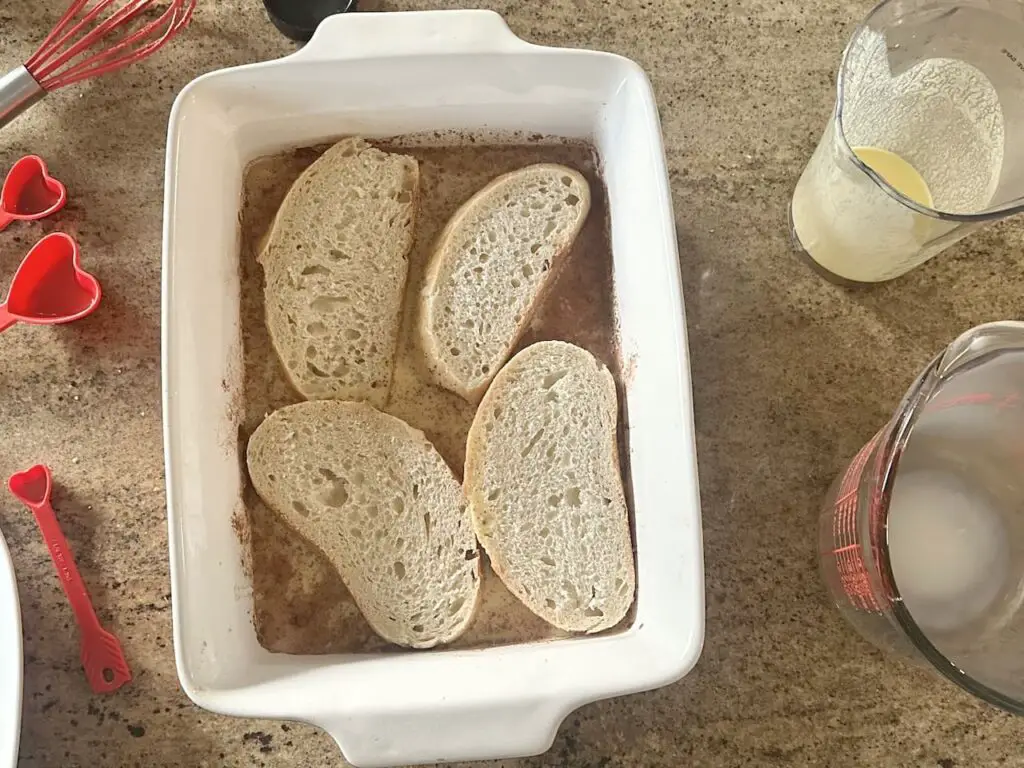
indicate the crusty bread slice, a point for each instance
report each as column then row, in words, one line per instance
column 545, row 489
column 335, row 265
column 376, row 497
column 490, row 267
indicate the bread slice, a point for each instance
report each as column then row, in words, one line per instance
column 545, row 490
column 491, row 265
column 335, row 265
column 373, row 494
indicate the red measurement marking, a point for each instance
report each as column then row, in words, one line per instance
column 1010, row 401
column 846, row 548
column 852, row 570
column 850, row 566
column 980, row 398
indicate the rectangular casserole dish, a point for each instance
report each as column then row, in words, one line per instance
column 393, row 74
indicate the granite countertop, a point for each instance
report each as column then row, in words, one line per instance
column 791, row 375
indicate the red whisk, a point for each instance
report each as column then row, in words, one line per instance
column 93, row 37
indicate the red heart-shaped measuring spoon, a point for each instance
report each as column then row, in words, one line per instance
column 102, row 657
column 50, row 286
column 30, row 192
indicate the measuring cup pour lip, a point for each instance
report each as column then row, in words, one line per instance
column 890, row 448
column 998, row 212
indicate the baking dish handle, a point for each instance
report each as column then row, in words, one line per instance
column 400, row 33
column 447, row 735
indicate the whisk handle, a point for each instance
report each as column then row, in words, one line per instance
column 18, row 91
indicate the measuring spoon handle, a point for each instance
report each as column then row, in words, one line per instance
column 63, row 561
column 6, row 318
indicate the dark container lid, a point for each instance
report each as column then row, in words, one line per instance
column 298, row 19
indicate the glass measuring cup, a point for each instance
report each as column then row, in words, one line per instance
column 921, row 538
column 926, row 141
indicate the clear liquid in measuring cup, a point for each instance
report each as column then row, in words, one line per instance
column 948, row 549
column 952, row 520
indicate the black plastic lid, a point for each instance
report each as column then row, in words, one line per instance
column 298, row 19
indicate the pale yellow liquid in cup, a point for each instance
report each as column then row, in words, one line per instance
column 897, row 172
column 855, row 230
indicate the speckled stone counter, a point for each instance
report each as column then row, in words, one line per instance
column 791, row 376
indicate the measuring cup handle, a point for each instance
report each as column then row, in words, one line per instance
column 5, row 219
column 6, row 318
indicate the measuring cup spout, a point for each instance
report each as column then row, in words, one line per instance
column 980, row 342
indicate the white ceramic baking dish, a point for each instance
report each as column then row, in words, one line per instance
column 385, row 75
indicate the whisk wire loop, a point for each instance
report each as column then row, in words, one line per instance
column 70, row 53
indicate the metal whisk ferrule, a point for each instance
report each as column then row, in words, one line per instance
column 18, row 91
